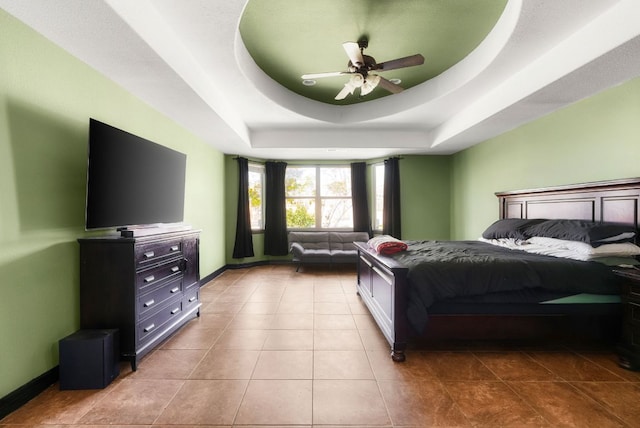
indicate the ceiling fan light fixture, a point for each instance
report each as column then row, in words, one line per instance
column 369, row 84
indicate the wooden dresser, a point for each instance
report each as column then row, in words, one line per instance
column 147, row 287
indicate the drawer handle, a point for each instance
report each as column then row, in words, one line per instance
column 149, row 254
column 175, row 311
column 175, row 290
column 175, row 248
column 175, row 269
column 149, row 278
column 149, row 303
column 193, row 299
column 149, row 328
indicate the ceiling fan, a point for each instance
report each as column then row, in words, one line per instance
column 360, row 67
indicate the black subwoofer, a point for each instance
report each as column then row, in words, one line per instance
column 89, row 359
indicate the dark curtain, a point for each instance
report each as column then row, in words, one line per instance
column 275, row 222
column 244, row 240
column 391, row 199
column 361, row 217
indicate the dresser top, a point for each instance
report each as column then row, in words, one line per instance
column 160, row 235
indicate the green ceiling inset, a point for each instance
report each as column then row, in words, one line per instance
column 288, row 38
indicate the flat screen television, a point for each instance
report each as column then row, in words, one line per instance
column 132, row 182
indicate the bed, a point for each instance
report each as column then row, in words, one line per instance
column 387, row 284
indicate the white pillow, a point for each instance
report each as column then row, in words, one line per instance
column 579, row 250
column 512, row 243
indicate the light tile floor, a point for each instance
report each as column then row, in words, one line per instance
column 280, row 348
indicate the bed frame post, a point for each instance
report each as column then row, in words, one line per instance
column 400, row 321
column 398, row 356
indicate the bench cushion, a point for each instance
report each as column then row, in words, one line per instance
column 310, row 240
column 344, row 256
column 344, row 240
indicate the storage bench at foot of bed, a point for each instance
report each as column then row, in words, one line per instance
column 384, row 296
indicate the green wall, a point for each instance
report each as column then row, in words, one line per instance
column 46, row 100
column 425, row 187
column 595, row 139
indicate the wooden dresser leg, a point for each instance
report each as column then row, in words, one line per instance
column 627, row 363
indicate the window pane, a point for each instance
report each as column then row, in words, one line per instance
column 335, row 182
column 255, row 199
column 319, row 197
column 300, row 181
column 337, row 213
column 301, row 213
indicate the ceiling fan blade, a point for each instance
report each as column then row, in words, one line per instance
column 343, row 93
column 353, row 52
column 389, row 86
column 321, row 75
column 407, row 61
column 356, row 81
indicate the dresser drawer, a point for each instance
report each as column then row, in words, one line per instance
column 158, row 251
column 631, row 337
column 632, row 313
column 149, row 278
column 153, row 324
column 633, row 291
column 635, row 337
column 191, row 298
column 149, row 302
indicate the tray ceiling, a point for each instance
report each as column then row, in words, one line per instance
column 490, row 66
column 287, row 40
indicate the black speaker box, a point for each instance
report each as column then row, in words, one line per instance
column 89, row 359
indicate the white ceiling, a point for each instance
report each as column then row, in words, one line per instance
column 186, row 59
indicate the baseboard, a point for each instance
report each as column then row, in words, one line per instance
column 212, row 275
column 248, row 265
column 18, row 398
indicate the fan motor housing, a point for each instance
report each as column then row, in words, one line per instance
column 369, row 64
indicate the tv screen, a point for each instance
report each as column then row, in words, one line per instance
column 132, row 181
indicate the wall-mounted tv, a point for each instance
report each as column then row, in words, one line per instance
column 131, row 181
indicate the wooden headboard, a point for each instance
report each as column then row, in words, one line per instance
column 612, row 201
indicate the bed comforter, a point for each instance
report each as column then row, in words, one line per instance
column 447, row 269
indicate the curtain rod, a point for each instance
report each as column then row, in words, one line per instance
column 293, row 163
